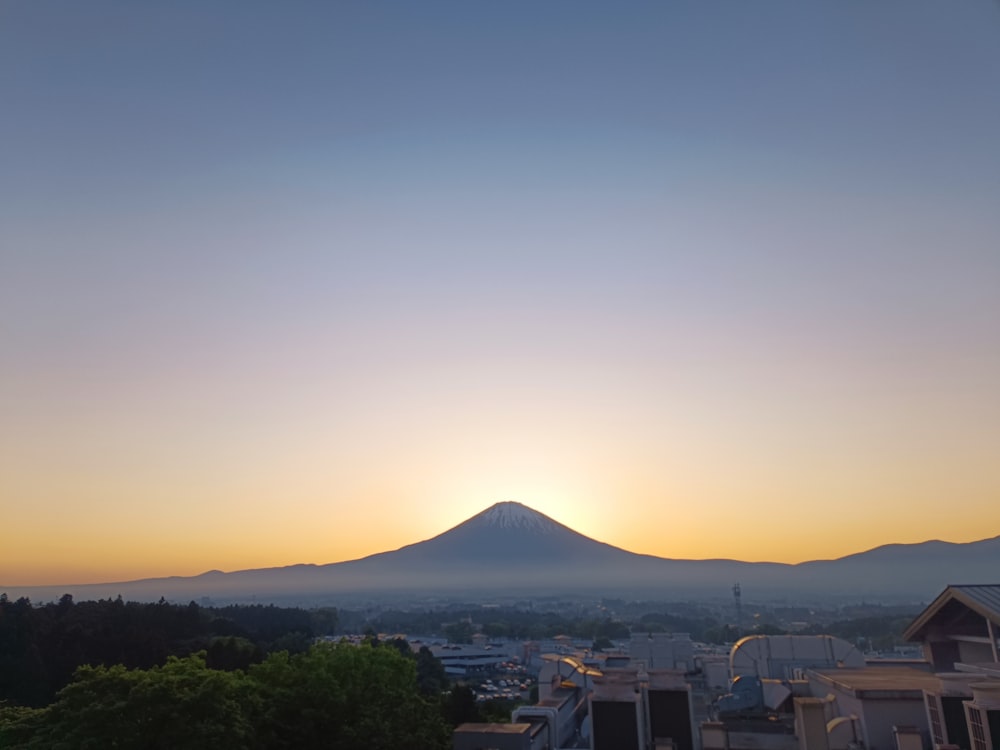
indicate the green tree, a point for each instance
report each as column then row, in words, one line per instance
column 498, row 629
column 721, row 634
column 18, row 724
column 459, row 632
column 324, row 620
column 459, row 706
column 432, row 679
column 231, row 653
column 497, row 711
column 182, row 704
column 346, row 697
column 333, row 696
column 601, row 643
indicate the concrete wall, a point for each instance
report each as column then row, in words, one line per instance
column 879, row 712
column 880, row 716
column 662, row 650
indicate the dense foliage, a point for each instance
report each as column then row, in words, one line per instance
column 330, row 696
column 41, row 647
column 127, row 675
column 130, row 675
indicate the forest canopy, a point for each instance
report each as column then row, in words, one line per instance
column 334, row 695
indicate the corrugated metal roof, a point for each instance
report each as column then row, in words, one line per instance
column 982, row 599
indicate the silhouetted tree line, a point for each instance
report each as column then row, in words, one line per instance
column 41, row 647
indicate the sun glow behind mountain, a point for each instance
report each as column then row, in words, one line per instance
column 297, row 287
column 511, row 550
column 513, row 515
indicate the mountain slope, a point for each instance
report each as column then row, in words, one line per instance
column 510, row 549
column 506, row 533
column 925, row 567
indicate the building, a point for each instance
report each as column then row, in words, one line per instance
column 950, row 700
column 883, row 700
column 959, row 627
column 634, row 708
column 662, row 651
column 462, row 661
column 958, row 633
column 513, row 736
column 785, row 657
column 788, row 693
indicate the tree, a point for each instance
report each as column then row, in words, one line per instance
column 347, row 697
column 497, row 711
column 458, row 706
column 459, row 632
column 497, row 630
column 23, row 674
column 182, row 704
column 231, row 653
column 333, row 696
column 431, row 676
column 324, row 620
column 767, row 628
column 18, row 724
column 602, row 643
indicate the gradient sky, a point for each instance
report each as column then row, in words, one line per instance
column 300, row 282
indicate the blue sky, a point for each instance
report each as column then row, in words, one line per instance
column 654, row 263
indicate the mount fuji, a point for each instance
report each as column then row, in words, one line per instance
column 512, row 550
column 507, row 533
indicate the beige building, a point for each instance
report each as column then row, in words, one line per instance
column 958, row 632
column 830, row 698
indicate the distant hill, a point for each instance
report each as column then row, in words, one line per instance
column 924, row 568
column 511, row 550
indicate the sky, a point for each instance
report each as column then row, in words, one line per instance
column 302, row 282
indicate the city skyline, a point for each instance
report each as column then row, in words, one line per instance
column 301, row 285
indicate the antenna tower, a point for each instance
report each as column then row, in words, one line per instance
column 739, row 610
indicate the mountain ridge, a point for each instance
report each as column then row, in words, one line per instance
column 510, row 547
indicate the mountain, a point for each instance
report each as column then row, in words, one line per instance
column 512, row 550
column 925, row 567
column 506, row 534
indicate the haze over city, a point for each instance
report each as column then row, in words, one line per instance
column 287, row 284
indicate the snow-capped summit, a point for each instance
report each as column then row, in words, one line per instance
column 512, row 515
column 507, row 534
column 513, row 551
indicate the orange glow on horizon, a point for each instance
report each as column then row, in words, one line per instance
column 73, row 560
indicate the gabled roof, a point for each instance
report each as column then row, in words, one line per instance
column 984, row 600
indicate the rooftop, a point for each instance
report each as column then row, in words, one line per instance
column 518, row 728
column 878, row 682
column 984, row 600
column 558, row 697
